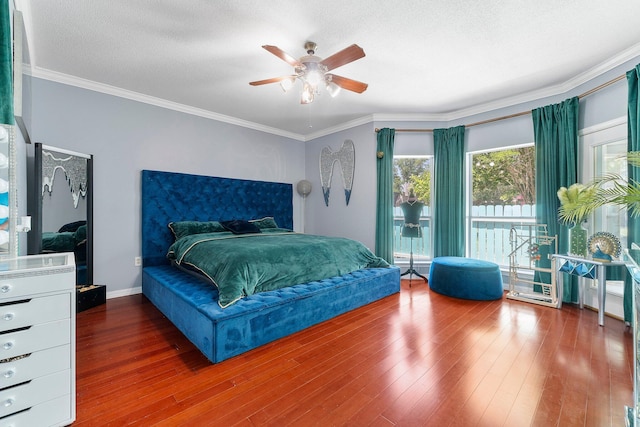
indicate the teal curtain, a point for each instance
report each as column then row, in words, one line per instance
column 633, row 144
column 448, row 201
column 556, row 143
column 384, row 206
column 6, row 81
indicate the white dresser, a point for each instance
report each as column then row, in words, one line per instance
column 37, row 341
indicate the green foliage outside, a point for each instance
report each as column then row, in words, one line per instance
column 412, row 174
column 502, row 177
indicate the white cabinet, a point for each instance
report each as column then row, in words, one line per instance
column 37, row 340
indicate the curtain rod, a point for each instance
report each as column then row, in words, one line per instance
column 522, row 113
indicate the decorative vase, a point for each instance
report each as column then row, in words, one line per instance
column 578, row 240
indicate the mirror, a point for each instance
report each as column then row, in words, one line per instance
column 61, row 207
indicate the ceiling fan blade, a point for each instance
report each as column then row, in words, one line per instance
column 343, row 57
column 348, row 84
column 283, row 55
column 272, row 80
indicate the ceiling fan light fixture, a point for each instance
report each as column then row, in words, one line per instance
column 313, row 72
column 313, row 75
column 307, row 94
column 287, row 83
column 333, row 89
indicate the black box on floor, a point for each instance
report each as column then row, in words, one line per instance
column 88, row 296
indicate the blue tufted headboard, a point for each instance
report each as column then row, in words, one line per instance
column 169, row 196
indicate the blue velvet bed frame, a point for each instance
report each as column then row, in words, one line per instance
column 191, row 304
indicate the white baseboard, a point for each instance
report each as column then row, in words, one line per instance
column 124, row 292
column 614, row 305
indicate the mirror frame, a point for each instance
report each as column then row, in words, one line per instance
column 34, row 205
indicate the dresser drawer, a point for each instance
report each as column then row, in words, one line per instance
column 39, row 390
column 35, row 365
column 54, row 412
column 35, row 310
column 20, row 286
column 37, row 337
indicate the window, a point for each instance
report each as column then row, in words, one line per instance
column 610, row 158
column 605, row 148
column 502, row 194
column 412, row 179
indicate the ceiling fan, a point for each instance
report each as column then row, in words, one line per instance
column 313, row 71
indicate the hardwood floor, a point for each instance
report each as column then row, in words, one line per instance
column 413, row 359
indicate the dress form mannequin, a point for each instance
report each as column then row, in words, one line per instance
column 412, row 209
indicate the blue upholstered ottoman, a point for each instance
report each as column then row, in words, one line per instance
column 466, row 278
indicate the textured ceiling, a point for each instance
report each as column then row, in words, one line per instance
column 424, row 58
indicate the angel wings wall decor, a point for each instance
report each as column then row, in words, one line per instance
column 346, row 157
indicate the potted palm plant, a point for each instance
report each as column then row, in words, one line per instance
column 572, row 212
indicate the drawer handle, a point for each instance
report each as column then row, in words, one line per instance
column 8, row 345
column 9, row 402
column 5, row 288
column 9, row 374
column 8, row 316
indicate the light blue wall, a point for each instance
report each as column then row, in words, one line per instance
column 358, row 219
column 127, row 136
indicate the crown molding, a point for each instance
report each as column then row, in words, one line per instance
column 532, row 96
column 555, row 90
column 54, row 76
column 344, row 126
column 605, row 66
column 412, row 117
column 372, row 118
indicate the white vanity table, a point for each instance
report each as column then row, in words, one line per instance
column 584, row 268
column 37, row 340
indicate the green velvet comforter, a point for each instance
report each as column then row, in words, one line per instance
column 244, row 264
column 58, row 242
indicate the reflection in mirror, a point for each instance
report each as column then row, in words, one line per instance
column 61, row 207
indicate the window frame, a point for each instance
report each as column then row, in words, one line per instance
column 418, row 259
column 598, row 136
column 469, row 219
column 589, row 139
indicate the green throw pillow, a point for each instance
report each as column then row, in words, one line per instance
column 187, row 228
column 267, row 222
